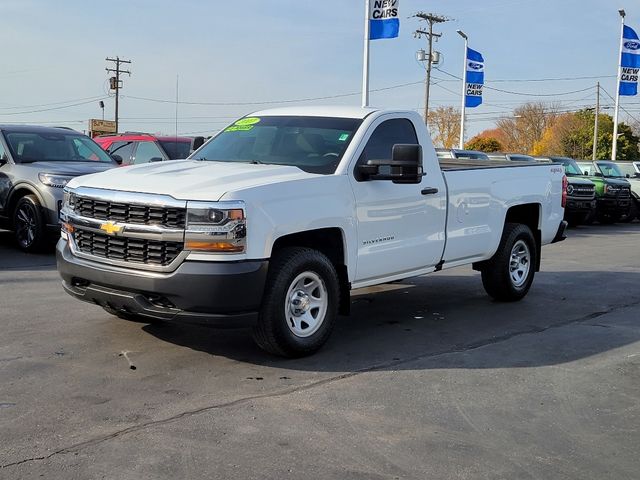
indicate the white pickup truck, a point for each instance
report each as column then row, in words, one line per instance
column 279, row 216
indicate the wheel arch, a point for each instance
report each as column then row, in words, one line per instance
column 330, row 242
column 17, row 192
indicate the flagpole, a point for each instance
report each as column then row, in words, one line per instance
column 614, row 147
column 464, row 88
column 365, row 63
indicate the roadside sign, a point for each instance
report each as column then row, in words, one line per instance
column 100, row 127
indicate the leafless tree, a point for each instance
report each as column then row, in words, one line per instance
column 444, row 124
column 527, row 125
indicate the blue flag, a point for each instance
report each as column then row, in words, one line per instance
column 630, row 62
column 475, row 79
column 383, row 19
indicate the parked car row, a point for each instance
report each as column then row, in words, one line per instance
column 605, row 191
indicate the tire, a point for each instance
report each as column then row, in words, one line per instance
column 28, row 224
column 300, row 303
column 575, row 219
column 132, row 317
column 633, row 213
column 503, row 280
column 590, row 218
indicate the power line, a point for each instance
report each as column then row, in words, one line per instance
column 15, row 107
column 621, row 107
column 51, row 109
column 272, row 102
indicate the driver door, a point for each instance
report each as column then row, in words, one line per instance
column 400, row 226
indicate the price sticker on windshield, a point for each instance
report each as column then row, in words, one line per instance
column 243, row 125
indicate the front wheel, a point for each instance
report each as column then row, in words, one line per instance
column 28, row 224
column 300, row 304
column 508, row 275
column 633, row 213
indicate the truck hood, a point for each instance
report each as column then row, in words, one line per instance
column 190, row 179
column 579, row 180
column 72, row 169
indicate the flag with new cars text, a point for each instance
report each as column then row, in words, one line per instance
column 475, row 79
column 629, row 62
column 384, row 21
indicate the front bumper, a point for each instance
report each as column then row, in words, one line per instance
column 614, row 205
column 578, row 205
column 223, row 294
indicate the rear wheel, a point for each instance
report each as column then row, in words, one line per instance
column 28, row 224
column 300, row 304
column 508, row 275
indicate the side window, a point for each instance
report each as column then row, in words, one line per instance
column 123, row 150
column 385, row 136
column 146, row 151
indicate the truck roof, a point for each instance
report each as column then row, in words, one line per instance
column 324, row 111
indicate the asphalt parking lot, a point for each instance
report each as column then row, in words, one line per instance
column 426, row 379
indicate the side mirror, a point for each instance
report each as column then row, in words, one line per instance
column 599, row 174
column 628, row 176
column 197, row 143
column 405, row 166
column 586, row 172
column 117, row 159
column 155, row 159
column 4, row 160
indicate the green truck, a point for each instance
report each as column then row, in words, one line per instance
column 613, row 191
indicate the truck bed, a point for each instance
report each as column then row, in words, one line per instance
column 448, row 164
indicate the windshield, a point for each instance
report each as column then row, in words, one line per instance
column 176, row 148
column 610, row 169
column 27, row 147
column 571, row 167
column 313, row 144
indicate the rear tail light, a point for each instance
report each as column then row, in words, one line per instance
column 565, row 184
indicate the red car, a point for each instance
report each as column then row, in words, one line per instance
column 132, row 148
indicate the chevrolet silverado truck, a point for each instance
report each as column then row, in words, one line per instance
column 613, row 193
column 581, row 192
column 279, row 216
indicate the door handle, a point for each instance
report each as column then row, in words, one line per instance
column 429, row 191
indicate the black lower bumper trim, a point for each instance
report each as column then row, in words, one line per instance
column 561, row 233
column 223, row 294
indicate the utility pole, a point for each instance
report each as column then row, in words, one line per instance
column 431, row 19
column 595, row 125
column 114, row 82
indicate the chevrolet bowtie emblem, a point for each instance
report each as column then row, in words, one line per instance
column 110, row 228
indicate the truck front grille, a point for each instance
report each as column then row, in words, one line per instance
column 583, row 191
column 624, row 193
column 135, row 250
column 129, row 213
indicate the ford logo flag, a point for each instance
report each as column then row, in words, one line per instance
column 629, row 62
column 474, row 79
column 632, row 45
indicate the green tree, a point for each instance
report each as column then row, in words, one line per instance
column 484, row 144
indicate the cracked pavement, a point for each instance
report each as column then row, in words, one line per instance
column 427, row 379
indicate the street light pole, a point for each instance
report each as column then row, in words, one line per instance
column 464, row 87
column 595, row 125
column 614, row 148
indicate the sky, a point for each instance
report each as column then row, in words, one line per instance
column 245, row 55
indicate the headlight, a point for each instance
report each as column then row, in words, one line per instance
column 610, row 189
column 219, row 227
column 58, row 181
